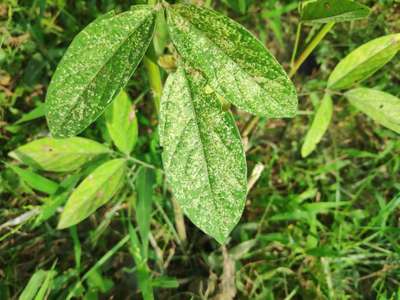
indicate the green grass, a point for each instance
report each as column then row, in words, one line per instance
column 325, row 227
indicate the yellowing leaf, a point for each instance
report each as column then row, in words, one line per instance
column 121, row 123
column 96, row 66
column 93, row 192
column 58, row 155
column 364, row 61
column 382, row 107
column 319, row 126
column 203, row 155
column 236, row 65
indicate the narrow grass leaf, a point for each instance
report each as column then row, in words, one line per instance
column 122, row 123
column 33, row 286
column 382, row 107
column 318, row 127
column 45, row 288
column 144, row 187
column 58, row 155
column 96, row 66
column 203, row 155
column 364, row 61
column 93, row 192
column 36, row 181
column 236, row 65
column 142, row 270
column 325, row 11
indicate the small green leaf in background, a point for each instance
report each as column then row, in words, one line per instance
column 34, row 114
column 58, row 155
column 36, row 181
column 93, row 192
column 382, row 107
column 364, row 61
column 236, row 65
column 325, row 11
column 96, row 66
column 122, row 123
column 203, row 155
column 319, row 126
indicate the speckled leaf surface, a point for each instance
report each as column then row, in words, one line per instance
column 324, row 11
column 203, row 155
column 382, row 107
column 96, row 66
column 364, row 61
column 58, row 155
column 122, row 123
column 234, row 62
column 319, row 126
column 93, row 192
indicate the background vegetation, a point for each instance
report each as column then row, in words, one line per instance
column 324, row 227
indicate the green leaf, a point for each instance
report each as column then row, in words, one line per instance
column 236, row 65
column 364, row 61
column 93, row 192
column 58, row 155
column 96, row 66
column 325, row 11
column 379, row 106
column 36, row 181
column 33, row 286
column 319, row 126
column 122, row 123
column 34, row 114
column 203, row 155
column 144, row 187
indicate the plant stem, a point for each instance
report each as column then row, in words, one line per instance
column 156, row 86
column 296, row 44
column 314, row 43
column 180, row 222
column 155, row 81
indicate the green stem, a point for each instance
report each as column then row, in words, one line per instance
column 156, row 86
column 155, row 81
column 296, row 44
column 314, row 43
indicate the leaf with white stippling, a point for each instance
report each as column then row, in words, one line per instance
column 93, row 192
column 203, row 155
column 382, row 107
column 96, row 66
column 236, row 65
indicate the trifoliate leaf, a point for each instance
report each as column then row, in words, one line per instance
column 96, row 66
column 236, row 65
column 203, row 155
